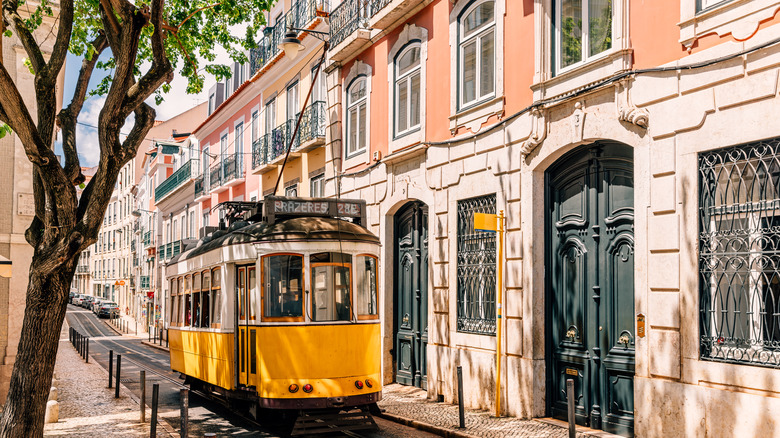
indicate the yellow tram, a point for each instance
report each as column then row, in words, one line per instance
column 280, row 310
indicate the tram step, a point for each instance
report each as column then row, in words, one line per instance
column 314, row 422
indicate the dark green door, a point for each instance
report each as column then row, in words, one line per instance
column 590, row 284
column 411, row 294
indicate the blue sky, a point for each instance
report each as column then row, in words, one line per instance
column 177, row 101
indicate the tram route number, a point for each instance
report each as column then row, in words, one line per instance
column 348, row 209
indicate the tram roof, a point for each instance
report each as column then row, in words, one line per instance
column 295, row 229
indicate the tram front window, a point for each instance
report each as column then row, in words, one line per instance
column 366, row 285
column 330, row 279
column 283, row 286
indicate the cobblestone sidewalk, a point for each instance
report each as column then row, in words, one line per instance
column 409, row 405
column 87, row 407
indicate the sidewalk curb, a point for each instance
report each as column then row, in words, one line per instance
column 153, row 345
column 126, row 391
column 425, row 427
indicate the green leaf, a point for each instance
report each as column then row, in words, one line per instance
column 8, row 33
column 4, row 129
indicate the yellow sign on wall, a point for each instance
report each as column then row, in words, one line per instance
column 485, row 222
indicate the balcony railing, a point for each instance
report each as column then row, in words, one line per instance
column 170, row 250
column 274, row 145
column 299, row 16
column 82, row 269
column 215, row 177
column 182, row 174
column 226, row 171
column 145, row 282
column 200, row 186
column 147, row 239
column 350, row 15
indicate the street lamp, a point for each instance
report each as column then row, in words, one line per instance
column 291, row 45
column 137, row 213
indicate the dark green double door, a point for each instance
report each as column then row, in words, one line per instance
column 590, row 285
column 411, row 294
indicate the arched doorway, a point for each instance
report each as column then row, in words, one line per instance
column 590, row 286
column 411, row 294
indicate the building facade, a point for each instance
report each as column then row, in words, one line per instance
column 630, row 147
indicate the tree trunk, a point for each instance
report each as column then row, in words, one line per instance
column 47, row 296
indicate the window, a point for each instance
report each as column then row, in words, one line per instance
column 282, row 293
column 476, row 311
column 583, row 30
column 270, row 116
column 293, row 104
column 407, row 90
column 206, row 218
column 193, row 234
column 223, row 146
column 203, row 309
column 212, row 99
column 239, row 147
column 319, row 92
column 331, row 293
column 366, row 287
column 739, row 283
column 357, row 98
column 255, row 126
column 477, row 54
column 317, row 186
column 291, row 191
column 216, row 299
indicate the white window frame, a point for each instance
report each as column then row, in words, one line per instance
column 411, row 34
column 255, row 124
column 476, row 37
column 475, row 114
column 292, row 96
column 352, row 150
column 238, row 145
column 359, row 68
column 584, row 40
column 407, row 78
column 317, row 181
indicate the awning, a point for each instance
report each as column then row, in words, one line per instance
column 5, row 267
column 168, row 148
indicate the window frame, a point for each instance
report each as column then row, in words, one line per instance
column 407, row 77
column 476, row 37
column 263, row 316
column 585, row 48
column 319, row 181
column 368, row 317
column 350, row 292
column 215, row 306
column 356, row 105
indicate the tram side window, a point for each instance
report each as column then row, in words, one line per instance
column 171, row 297
column 216, row 298
column 330, row 279
column 283, row 287
column 188, row 299
column 366, row 285
column 203, row 307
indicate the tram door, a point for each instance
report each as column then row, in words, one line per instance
column 246, row 301
column 411, row 295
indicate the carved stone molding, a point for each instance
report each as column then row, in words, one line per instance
column 538, row 132
column 626, row 110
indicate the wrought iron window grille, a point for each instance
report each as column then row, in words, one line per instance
column 476, row 269
column 739, row 254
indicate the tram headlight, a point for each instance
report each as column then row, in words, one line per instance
column 293, row 388
column 308, row 388
column 369, row 384
column 358, row 384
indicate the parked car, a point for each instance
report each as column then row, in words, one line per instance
column 108, row 309
column 96, row 304
column 78, row 299
column 71, row 295
column 87, row 301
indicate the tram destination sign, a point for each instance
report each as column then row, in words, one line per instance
column 277, row 206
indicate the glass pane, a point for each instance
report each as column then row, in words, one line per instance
column 352, row 144
column 571, row 32
column 414, row 109
column 469, row 72
column 187, row 310
column 216, row 307
column 362, row 127
column 283, row 288
column 409, row 60
column 479, row 16
column 487, row 64
column 600, row 22
column 196, row 309
column 366, row 285
column 403, row 101
column 358, row 91
column 254, row 296
column 241, row 293
column 205, row 308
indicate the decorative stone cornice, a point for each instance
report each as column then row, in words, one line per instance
column 626, row 110
column 538, row 131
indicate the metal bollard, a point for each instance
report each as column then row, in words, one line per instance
column 461, row 412
column 155, row 392
column 570, row 401
column 143, row 396
column 166, row 338
column 110, row 366
column 86, row 352
column 118, row 372
column 149, row 333
column 185, row 405
column 70, row 335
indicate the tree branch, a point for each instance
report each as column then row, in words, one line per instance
column 10, row 9
column 68, row 117
column 60, row 50
column 19, row 119
column 161, row 70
